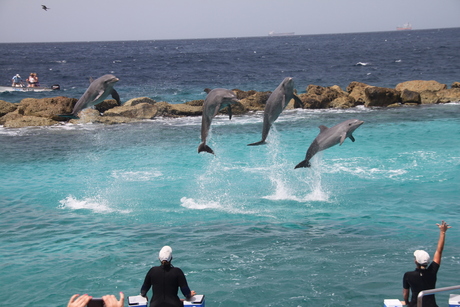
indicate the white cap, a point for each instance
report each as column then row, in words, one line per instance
column 165, row 253
column 422, row 257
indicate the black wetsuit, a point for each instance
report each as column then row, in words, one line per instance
column 165, row 281
column 420, row 280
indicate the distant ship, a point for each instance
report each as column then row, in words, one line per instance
column 406, row 26
column 273, row 33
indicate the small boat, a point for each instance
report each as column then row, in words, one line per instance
column 273, row 33
column 29, row 89
column 406, row 26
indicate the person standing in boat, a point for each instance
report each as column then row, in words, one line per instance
column 424, row 276
column 17, row 81
column 33, row 80
column 165, row 281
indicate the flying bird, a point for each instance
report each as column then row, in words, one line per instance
column 45, row 7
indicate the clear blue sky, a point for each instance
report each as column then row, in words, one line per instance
column 102, row 20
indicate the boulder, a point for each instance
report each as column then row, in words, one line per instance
column 138, row 111
column 182, row 109
column 195, row 103
column 356, row 91
column 106, row 105
column 455, row 85
column 86, row 116
column 449, row 95
column 429, row 97
column 420, row 86
column 243, row 94
column 380, row 96
column 7, row 107
column 255, row 102
column 135, row 101
column 343, row 102
column 319, row 97
column 408, row 96
column 10, row 116
column 47, row 107
column 27, row 121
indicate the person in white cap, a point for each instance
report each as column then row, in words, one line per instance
column 165, row 281
column 17, row 81
column 424, row 276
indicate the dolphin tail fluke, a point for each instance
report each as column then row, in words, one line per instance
column 204, row 147
column 258, row 143
column 71, row 116
column 304, row 163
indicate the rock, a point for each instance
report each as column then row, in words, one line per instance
column 87, row 116
column 243, row 94
column 420, row 86
column 319, row 97
column 429, row 97
column 138, row 111
column 47, row 107
column 27, row 121
column 343, row 102
column 179, row 110
column 10, row 116
column 195, row 103
column 7, row 107
column 449, row 95
column 255, row 102
column 135, row 101
column 106, row 105
column 408, row 96
column 356, row 91
column 455, row 85
column 380, row 96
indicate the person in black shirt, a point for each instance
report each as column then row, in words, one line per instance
column 165, row 281
column 424, row 276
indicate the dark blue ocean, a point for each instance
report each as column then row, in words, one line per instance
column 86, row 208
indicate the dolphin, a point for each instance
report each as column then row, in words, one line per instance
column 216, row 100
column 329, row 137
column 97, row 91
column 276, row 103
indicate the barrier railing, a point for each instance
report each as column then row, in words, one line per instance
column 433, row 291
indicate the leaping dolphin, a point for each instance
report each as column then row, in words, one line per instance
column 97, row 91
column 276, row 103
column 216, row 100
column 329, row 137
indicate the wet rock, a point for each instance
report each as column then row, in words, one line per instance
column 429, row 97
column 256, row 101
column 356, row 90
column 47, row 107
column 408, row 96
column 28, row 121
column 139, row 111
column 420, row 86
column 381, row 96
column 449, row 95
column 455, row 85
column 106, row 105
column 135, row 101
column 7, row 107
column 319, row 97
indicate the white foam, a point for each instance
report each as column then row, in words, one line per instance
column 94, row 204
column 136, row 175
column 191, row 203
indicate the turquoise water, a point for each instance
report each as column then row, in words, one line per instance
column 86, row 208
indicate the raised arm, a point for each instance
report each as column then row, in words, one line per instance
column 442, row 237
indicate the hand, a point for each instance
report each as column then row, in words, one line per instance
column 192, row 293
column 111, row 300
column 444, row 226
column 82, row 301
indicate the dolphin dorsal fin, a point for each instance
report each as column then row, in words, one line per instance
column 322, row 128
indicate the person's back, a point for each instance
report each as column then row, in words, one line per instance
column 424, row 277
column 165, row 281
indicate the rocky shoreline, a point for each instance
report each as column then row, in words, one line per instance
column 45, row 111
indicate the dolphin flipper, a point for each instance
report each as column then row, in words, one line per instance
column 342, row 138
column 351, row 138
column 297, row 102
column 115, row 96
column 229, row 112
column 204, row 147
